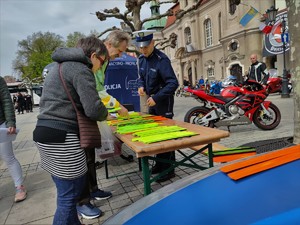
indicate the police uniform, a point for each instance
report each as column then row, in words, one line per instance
column 157, row 77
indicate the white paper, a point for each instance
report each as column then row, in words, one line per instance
column 5, row 137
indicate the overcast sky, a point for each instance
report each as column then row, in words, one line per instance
column 21, row 18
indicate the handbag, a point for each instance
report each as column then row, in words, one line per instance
column 89, row 133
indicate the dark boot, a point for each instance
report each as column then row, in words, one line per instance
column 159, row 166
column 166, row 177
column 156, row 169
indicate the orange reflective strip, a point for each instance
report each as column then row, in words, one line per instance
column 228, row 158
column 261, row 158
column 250, row 170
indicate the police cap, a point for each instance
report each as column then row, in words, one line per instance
column 143, row 37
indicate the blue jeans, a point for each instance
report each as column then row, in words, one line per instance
column 68, row 192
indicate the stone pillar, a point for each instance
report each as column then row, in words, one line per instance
column 193, row 72
column 180, row 77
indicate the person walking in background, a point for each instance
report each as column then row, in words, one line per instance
column 116, row 43
column 8, row 121
column 258, row 70
column 56, row 133
column 157, row 80
column 186, row 82
column 201, row 81
column 20, row 101
column 14, row 98
column 28, row 102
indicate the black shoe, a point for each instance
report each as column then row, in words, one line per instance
column 166, row 177
column 156, row 169
column 99, row 165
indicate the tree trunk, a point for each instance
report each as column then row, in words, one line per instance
column 293, row 7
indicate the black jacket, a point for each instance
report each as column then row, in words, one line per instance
column 157, row 76
column 258, row 72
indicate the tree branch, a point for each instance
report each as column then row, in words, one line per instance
column 179, row 14
column 102, row 16
column 107, row 30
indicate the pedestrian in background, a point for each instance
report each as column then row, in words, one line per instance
column 56, row 133
column 28, row 102
column 158, row 81
column 21, row 103
column 186, row 82
column 15, row 101
column 258, row 70
column 201, row 81
column 8, row 121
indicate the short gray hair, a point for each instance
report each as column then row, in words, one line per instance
column 116, row 37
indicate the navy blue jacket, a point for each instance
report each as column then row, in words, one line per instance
column 157, row 76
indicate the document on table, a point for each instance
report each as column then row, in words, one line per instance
column 5, row 137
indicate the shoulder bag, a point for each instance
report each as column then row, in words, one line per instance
column 89, row 133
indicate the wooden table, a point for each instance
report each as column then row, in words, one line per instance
column 144, row 152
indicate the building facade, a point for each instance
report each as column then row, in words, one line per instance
column 211, row 42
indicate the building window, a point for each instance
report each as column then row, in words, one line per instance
column 210, row 72
column 187, row 36
column 208, row 32
column 233, row 46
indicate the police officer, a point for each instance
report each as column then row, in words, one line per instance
column 258, row 70
column 158, row 81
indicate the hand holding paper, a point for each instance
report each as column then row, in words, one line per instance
column 8, row 134
column 11, row 130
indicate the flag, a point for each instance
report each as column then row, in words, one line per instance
column 248, row 16
column 265, row 28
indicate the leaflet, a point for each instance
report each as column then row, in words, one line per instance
column 5, row 137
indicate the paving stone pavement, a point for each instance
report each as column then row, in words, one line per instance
column 40, row 205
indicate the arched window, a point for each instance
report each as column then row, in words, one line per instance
column 208, row 32
column 187, row 35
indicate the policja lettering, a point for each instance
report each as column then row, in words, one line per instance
column 112, row 86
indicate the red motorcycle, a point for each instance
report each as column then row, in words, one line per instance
column 275, row 82
column 236, row 105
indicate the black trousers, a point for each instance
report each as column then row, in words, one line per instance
column 91, row 184
column 164, row 108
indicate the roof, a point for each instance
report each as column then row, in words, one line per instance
column 171, row 19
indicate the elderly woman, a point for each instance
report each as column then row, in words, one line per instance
column 56, row 132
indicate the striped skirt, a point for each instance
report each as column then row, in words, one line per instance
column 64, row 160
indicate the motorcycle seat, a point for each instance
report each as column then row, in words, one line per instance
column 223, row 98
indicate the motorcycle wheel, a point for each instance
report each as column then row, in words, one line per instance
column 263, row 121
column 197, row 113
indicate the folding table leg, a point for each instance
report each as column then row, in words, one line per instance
column 106, row 169
column 210, row 155
column 146, row 175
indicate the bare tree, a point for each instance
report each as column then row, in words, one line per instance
column 132, row 16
